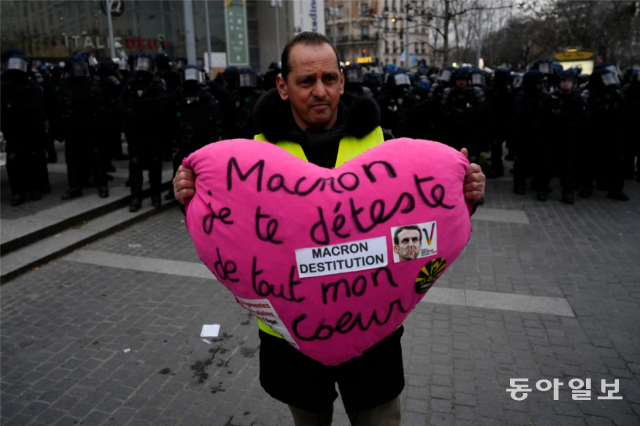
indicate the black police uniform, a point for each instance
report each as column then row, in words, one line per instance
column 245, row 97
column 144, row 103
column 605, row 104
column 525, row 113
column 631, row 144
column 84, row 109
column 501, row 95
column 461, row 113
column 22, row 124
column 558, row 132
column 392, row 101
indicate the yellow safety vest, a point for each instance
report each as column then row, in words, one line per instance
column 350, row 147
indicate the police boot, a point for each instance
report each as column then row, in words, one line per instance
column 15, row 171
column 155, row 177
column 618, row 195
column 100, row 173
column 135, row 179
column 74, row 177
column 567, row 198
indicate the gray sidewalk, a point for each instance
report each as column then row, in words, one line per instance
column 543, row 291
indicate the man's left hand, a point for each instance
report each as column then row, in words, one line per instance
column 474, row 181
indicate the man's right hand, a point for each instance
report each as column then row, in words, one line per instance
column 184, row 184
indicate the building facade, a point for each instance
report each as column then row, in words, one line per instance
column 375, row 31
column 50, row 30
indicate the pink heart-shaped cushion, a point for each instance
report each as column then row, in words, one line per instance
column 311, row 251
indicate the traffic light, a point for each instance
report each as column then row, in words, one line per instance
column 364, row 52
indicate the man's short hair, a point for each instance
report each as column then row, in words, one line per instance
column 404, row 228
column 307, row 38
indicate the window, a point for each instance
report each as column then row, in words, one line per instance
column 364, row 31
column 364, row 9
column 386, row 24
column 423, row 47
column 416, row 47
column 327, row 15
column 386, row 5
column 386, row 48
column 340, row 12
column 394, row 47
column 341, row 36
column 394, row 61
column 393, row 5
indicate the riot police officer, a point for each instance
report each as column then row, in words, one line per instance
column 605, row 102
column 546, row 67
column 557, row 130
column 84, row 109
column 525, row 113
column 112, row 82
column 461, row 113
column 501, row 95
column 396, row 97
column 144, row 103
column 246, row 96
column 198, row 116
column 631, row 145
column 166, row 71
column 22, row 121
column 227, row 103
column 354, row 84
column 271, row 76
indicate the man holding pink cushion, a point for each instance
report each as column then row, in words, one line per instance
column 305, row 117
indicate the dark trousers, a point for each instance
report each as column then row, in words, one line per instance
column 145, row 151
column 84, row 153
column 26, row 161
column 604, row 164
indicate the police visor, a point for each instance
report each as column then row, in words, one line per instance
column 145, row 64
column 79, row 69
column 545, row 68
column 18, row 64
column 477, row 80
column 610, row 79
column 193, row 74
column 401, row 79
column 247, row 80
column 354, row 76
column 445, row 75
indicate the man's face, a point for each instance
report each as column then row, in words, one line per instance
column 565, row 86
column 461, row 83
column 313, row 86
column 408, row 244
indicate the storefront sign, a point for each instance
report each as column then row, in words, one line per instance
column 86, row 42
column 235, row 20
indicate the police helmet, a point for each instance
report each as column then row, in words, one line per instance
column 88, row 57
column 636, row 76
column 230, row 77
column 353, row 74
column 603, row 77
column 247, row 77
column 613, row 68
column 424, row 83
column 145, row 63
column 275, row 66
column 568, row 75
column 181, row 62
column 76, row 66
column 462, row 73
column 532, row 78
column 107, row 67
column 502, row 73
column 543, row 65
column 9, row 53
column 131, row 60
column 477, row 78
column 163, row 61
column 398, row 79
column 194, row 73
column 445, row 74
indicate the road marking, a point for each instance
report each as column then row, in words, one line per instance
column 437, row 295
column 499, row 301
column 501, row 215
column 139, row 263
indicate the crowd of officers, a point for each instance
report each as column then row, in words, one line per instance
column 554, row 122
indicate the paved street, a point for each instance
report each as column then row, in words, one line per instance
column 110, row 334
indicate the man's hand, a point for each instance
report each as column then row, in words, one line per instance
column 184, row 184
column 474, row 181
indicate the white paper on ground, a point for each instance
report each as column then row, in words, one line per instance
column 210, row 330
